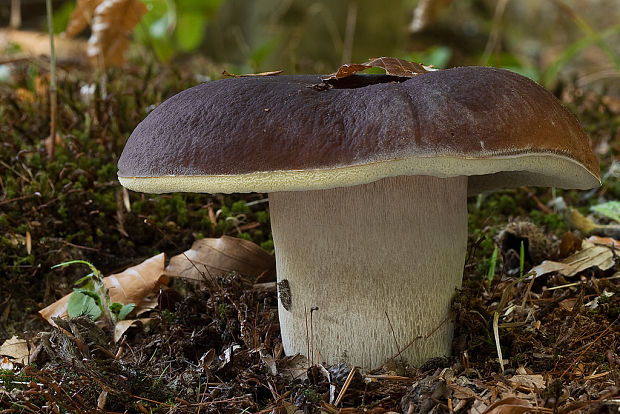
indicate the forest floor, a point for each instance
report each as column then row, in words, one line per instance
column 213, row 345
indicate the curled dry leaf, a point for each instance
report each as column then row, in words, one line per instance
column 392, row 66
column 16, row 349
column 130, row 286
column 212, row 257
column 590, row 255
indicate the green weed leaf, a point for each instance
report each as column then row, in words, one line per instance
column 125, row 310
column 80, row 304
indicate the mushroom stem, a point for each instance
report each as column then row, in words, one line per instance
column 394, row 248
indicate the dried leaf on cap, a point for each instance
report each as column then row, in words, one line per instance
column 392, row 66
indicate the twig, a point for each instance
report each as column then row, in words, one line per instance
column 53, row 103
column 393, row 333
column 312, row 309
column 431, row 333
column 347, row 382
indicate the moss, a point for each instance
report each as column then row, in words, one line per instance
column 240, row 207
column 262, row 216
column 267, row 245
column 245, row 235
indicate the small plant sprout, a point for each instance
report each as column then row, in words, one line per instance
column 93, row 298
column 492, row 265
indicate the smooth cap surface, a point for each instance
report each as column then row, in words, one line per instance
column 285, row 133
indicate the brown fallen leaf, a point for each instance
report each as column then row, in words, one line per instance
column 112, row 24
column 392, row 66
column 130, row 286
column 510, row 405
column 590, row 255
column 16, row 349
column 121, row 326
column 81, row 17
column 528, row 380
column 212, row 257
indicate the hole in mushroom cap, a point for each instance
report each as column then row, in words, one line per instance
column 361, row 81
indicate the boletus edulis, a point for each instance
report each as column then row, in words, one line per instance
column 368, row 178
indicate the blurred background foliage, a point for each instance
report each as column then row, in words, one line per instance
column 546, row 40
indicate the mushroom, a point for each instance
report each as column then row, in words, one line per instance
column 367, row 187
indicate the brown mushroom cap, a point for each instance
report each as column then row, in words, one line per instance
column 279, row 133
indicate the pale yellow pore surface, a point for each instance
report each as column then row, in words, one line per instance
column 546, row 169
column 372, row 258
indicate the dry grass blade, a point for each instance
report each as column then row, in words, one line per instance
column 591, row 255
column 496, row 335
column 345, row 387
column 232, row 75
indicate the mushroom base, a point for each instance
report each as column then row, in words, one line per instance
column 380, row 261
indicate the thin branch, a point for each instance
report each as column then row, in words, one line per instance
column 53, row 101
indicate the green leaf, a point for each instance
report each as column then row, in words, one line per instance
column 125, row 310
column 611, row 209
column 190, row 31
column 80, row 304
column 492, row 265
column 116, row 307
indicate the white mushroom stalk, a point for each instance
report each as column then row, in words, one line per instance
column 372, row 258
